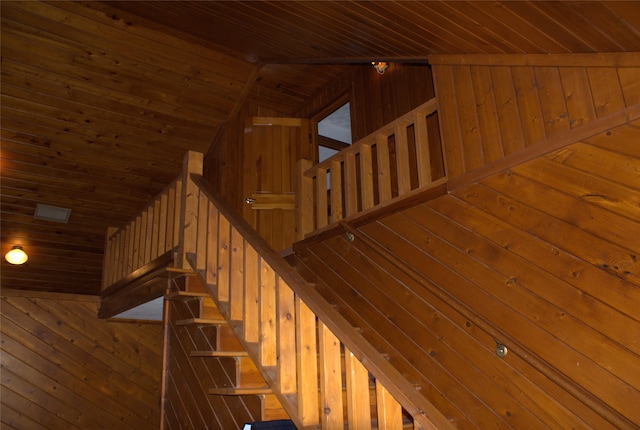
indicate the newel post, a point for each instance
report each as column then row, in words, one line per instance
column 304, row 199
column 188, row 208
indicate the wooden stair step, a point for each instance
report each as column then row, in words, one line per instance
column 240, row 391
column 185, row 295
column 219, row 354
column 201, row 321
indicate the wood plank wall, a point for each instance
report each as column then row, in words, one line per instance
column 63, row 368
column 495, row 106
column 541, row 257
column 375, row 99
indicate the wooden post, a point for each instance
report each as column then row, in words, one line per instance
column 304, row 199
column 189, row 208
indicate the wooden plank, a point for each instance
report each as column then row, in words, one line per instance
column 162, row 222
column 577, row 93
column 389, row 411
column 237, row 279
column 211, row 269
column 468, row 121
column 250, row 321
column 322, row 210
column 358, row 407
column 423, row 157
column 224, row 259
column 350, row 184
column 488, row 125
column 552, row 103
column 155, row 237
column 508, row 113
column 268, row 330
column 307, row 364
column 448, row 117
column 599, row 59
column 304, row 200
column 330, row 364
column 337, row 192
column 531, row 116
column 286, row 343
column 630, row 86
column 606, row 91
column 201, row 232
column 402, row 159
column 366, row 176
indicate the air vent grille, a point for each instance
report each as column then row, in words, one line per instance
column 52, row 213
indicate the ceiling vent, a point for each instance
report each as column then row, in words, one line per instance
column 52, row 213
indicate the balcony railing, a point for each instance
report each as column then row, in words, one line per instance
column 401, row 159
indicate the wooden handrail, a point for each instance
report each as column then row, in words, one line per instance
column 288, row 309
column 387, row 165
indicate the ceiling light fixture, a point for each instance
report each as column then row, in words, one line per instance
column 16, row 256
column 380, row 66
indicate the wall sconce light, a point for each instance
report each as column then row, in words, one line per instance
column 16, row 256
column 380, row 66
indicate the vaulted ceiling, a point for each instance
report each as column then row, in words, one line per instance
column 100, row 100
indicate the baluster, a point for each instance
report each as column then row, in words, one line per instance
column 201, row 231
column 286, row 338
column 321, row 197
column 350, row 185
column 211, row 271
column 155, row 233
column 107, row 265
column 224, row 259
column 267, row 342
column 366, row 176
column 358, row 401
column 423, row 159
column 402, row 159
column 251, row 294
column 388, row 409
column 126, row 258
column 337, row 212
column 135, row 260
column 307, row 364
column 331, row 407
column 142, row 241
column 148, row 235
column 176, row 214
column 236, row 281
column 384, row 167
column 162, row 222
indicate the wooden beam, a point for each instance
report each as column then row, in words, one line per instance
column 614, row 59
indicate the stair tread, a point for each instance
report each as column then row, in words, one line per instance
column 240, row 391
column 213, row 353
column 201, row 321
column 185, row 295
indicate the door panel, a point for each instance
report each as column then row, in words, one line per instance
column 272, row 148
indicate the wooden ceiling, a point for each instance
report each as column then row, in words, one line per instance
column 100, row 100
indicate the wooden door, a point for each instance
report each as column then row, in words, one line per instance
column 272, row 148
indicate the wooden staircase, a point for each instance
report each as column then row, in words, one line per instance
column 198, row 322
column 254, row 330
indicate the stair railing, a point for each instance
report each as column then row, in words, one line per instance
column 307, row 352
column 390, row 164
column 149, row 235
